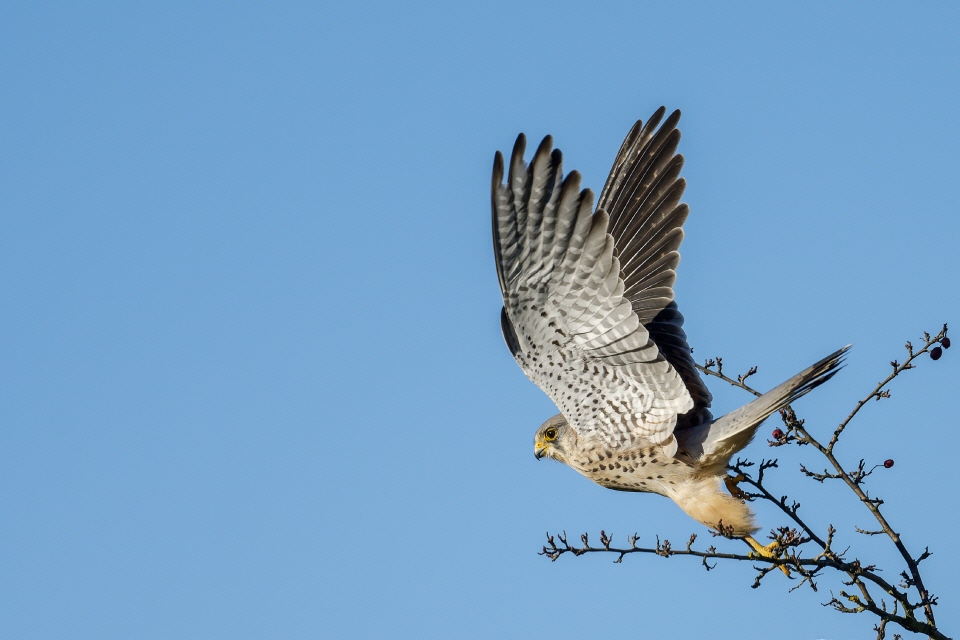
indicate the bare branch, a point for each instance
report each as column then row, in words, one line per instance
column 790, row 543
column 878, row 391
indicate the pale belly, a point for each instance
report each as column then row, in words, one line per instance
column 647, row 470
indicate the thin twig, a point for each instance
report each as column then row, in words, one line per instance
column 790, row 543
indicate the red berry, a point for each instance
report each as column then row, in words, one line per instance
column 936, row 352
column 777, row 434
column 945, row 342
column 888, row 463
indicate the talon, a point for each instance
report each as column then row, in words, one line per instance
column 772, row 550
column 732, row 482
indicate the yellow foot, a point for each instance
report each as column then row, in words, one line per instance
column 732, row 482
column 770, row 551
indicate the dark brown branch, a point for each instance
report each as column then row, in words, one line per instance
column 790, row 542
column 807, row 568
column 878, row 391
column 855, row 479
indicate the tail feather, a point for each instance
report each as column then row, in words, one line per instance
column 715, row 443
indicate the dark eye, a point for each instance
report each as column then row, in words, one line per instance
column 550, row 433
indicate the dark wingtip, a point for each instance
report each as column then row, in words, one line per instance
column 545, row 145
column 509, row 333
column 496, row 184
column 516, row 159
column 671, row 121
column 497, row 169
column 520, row 145
column 657, row 116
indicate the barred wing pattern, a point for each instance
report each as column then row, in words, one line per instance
column 642, row 197
column 566, row 317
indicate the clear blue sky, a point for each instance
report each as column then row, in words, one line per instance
column 252, row 380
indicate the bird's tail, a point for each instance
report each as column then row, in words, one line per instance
column 715, row 444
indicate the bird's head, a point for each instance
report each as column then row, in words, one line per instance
column 555, row 439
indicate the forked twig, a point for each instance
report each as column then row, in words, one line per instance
column 907, row 597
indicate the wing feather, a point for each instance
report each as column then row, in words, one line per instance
column 567, row 318
column 642, row 196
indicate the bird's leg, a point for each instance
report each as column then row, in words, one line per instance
column 732, row 482
column 772, row 550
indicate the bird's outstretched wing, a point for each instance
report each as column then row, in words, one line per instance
column 642, row 197
column 567, row 317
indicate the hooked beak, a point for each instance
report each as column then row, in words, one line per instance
column 539, row 450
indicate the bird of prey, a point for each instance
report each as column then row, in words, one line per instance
column 589, row 315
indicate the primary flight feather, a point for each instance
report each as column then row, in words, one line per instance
column 589, row 315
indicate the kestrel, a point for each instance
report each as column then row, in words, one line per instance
column 589, row 315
